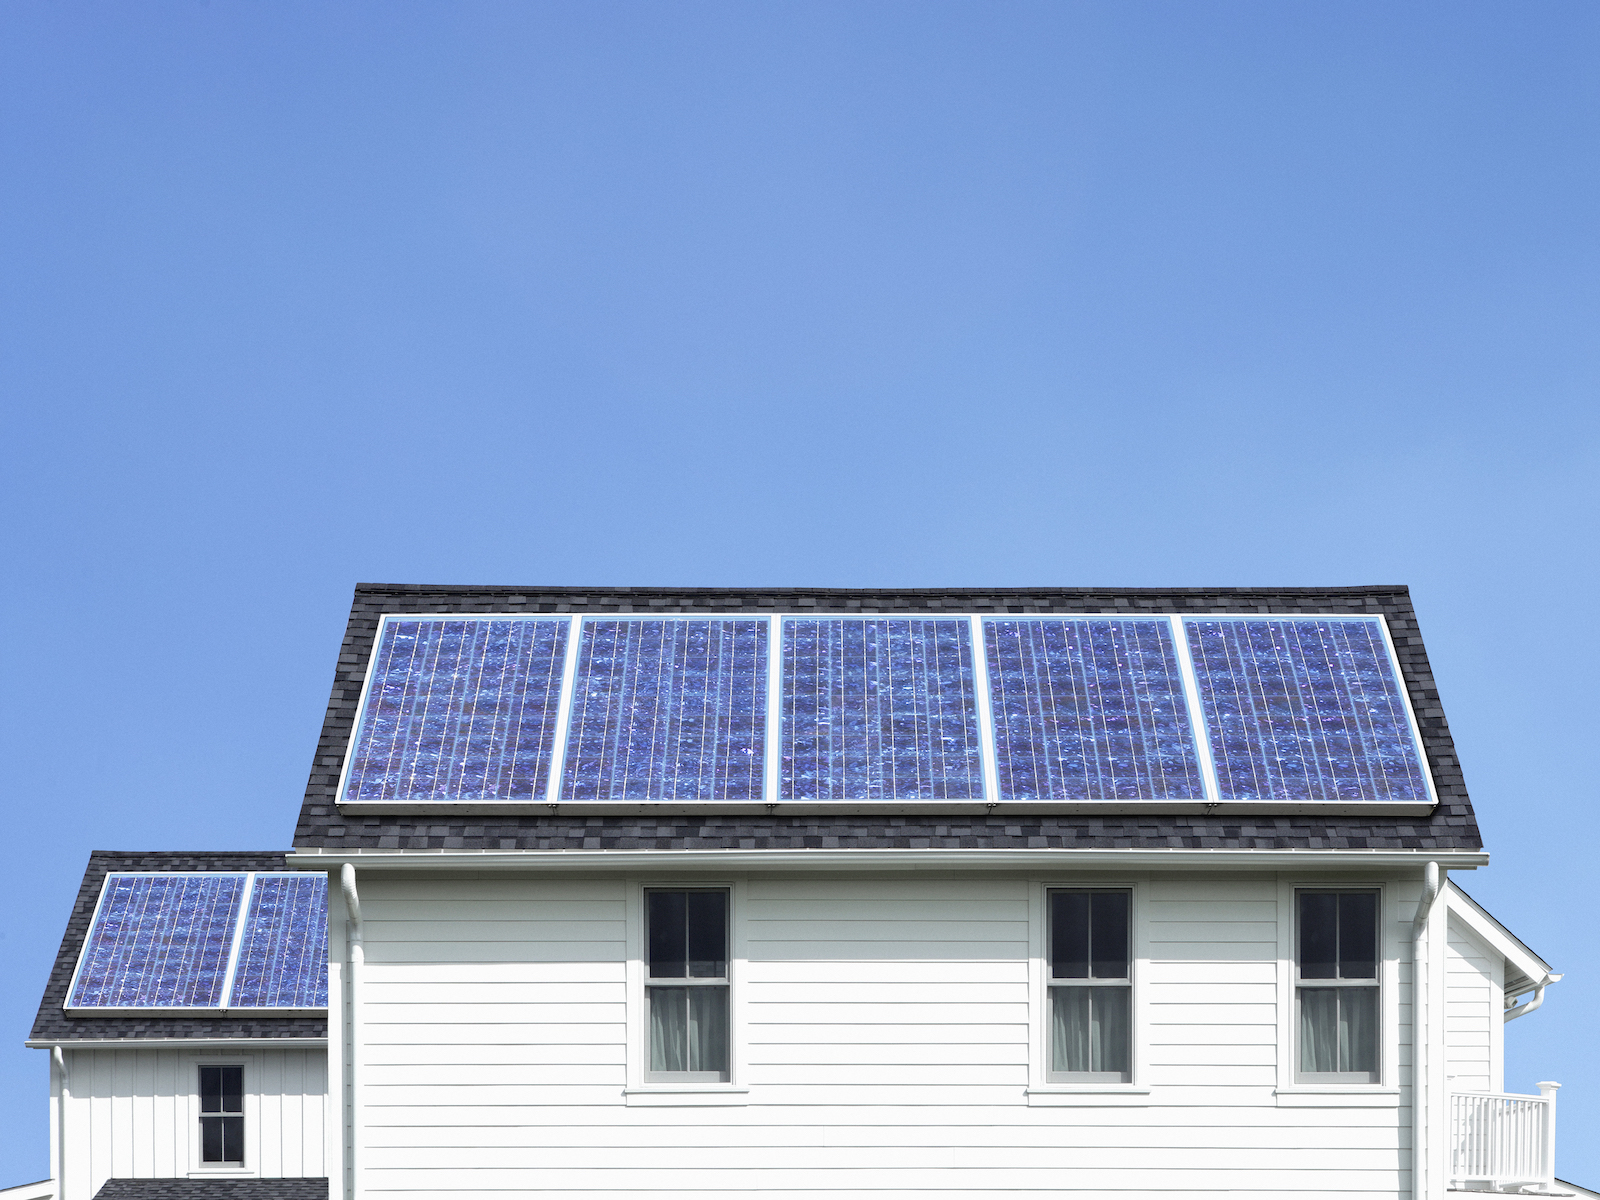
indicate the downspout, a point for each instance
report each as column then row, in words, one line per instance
column 59, row 1062
column 354, row 930
column 1420, row 1058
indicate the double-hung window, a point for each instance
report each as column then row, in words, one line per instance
column 686, row 985
column 1091, row 987
column 1336, row 986
column 222, row 1116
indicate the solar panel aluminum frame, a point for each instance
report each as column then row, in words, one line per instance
column 235, row 937
column 1211, row 804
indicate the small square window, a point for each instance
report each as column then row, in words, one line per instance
column 222, row 1115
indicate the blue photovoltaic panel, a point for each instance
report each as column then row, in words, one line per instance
column 283, row 952
column 1304, row 710
column 1090, row 710
column 668, row 710
column 459, row 710
column 879, row 710
column 159, row 941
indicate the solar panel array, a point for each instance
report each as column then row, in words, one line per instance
column 624, row 708
column 177, row 940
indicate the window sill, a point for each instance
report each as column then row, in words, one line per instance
column 1331, row 1095
column 705, row 1096
column 1089, row 1096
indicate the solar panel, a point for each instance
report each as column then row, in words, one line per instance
column 159, row 941
column 283, row 950
column 668, row 710
column 459, row 709
column 1090, row 710
column 1304, row 710
column 879, row 709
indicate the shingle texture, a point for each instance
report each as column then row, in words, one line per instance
column 213, row 1189
column 1451, row 826
column 53, row 1023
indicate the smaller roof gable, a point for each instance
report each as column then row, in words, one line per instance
column 55, row 1024
column 1525, row 970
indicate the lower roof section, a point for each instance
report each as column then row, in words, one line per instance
column 54, row 1024
column 214, row 1189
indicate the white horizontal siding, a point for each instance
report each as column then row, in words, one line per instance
column 132, row 1114
column 887, row 1039
column 1474, row 982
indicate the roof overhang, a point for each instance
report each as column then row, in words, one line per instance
column 190, row 1043
column 883, row 859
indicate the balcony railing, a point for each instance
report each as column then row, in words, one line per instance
column 1502, row 1142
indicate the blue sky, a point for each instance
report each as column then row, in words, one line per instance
column 866, row 294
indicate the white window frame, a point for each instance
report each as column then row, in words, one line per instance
column 1291, row 1091
column 643, row 1088
column 250, row 1167
column 1043, row 1090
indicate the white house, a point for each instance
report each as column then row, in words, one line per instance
column 636, row 893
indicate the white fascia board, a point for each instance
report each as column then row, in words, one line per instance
column 1495, row 935
column 170, row 1043
column 880, row 859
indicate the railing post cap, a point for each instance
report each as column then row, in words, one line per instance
column 1548, row 1084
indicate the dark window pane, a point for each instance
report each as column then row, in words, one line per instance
column 1358, row 1029
column 1108, row 937
column 211, row 1091
column 667, row 934
column 232, row 1089
column 211, row 1139
column 1069, row 936
column 1319, row 936
column 1358, row 936
column 708, row 935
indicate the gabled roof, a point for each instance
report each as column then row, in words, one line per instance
column 1524, row 970
column 1450, row 826
column 53, row 1024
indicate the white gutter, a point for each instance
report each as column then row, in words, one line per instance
column 59, row 1062
column 1523, row 1009
column 194, row 1043
column 1420, row 1058
column 354, row 930
column 1031, row 858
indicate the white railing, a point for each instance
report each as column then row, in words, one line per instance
column 1503, row 1141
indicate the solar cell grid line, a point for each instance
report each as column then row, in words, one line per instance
column 283, row 947
column 1090, row 709
column 1308, row 709
column 158, row 941
column 458, row 708
column 668, row 709
column 879, row 709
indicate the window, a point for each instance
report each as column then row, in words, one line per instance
column 1091, row 989
column 686, row 986
column 222, row 1115
column 1336, row 987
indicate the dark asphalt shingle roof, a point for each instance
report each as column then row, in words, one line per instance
column 53, row 1023
column 1451, row 826
column 213, row 1189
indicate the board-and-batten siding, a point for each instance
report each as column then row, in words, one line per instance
column 1474, row 1012
column 887, row 1049
column 133, row 1114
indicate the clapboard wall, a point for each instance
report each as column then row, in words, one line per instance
column 885, row 1027
column 1474, row 1013
column 134, row 1113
